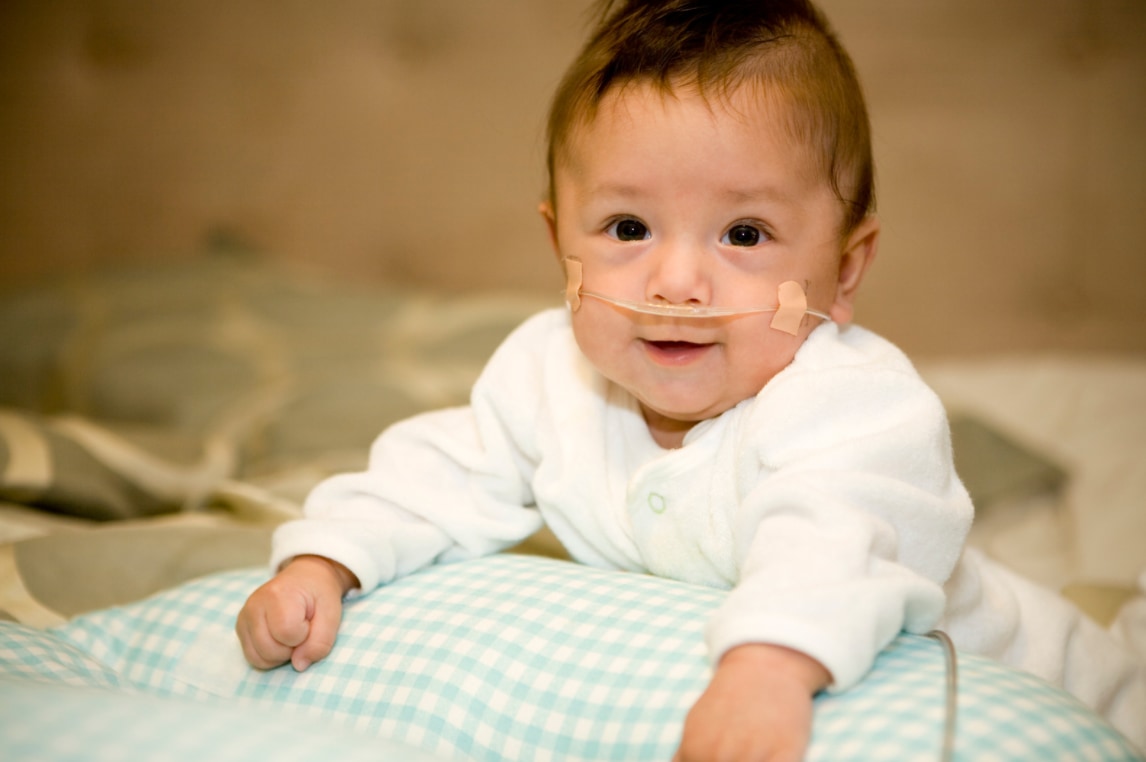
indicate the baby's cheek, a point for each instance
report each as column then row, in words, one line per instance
column 767, row 356
column 593, row 334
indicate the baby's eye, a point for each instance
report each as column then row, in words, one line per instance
column 628, row 229
column 742, row 234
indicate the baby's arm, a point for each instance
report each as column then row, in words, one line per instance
column 758, row 707
column 295, row 616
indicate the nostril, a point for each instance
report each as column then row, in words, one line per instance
column 692, row 302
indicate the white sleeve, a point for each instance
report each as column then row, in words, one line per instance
column 856, row 522
column 442, row 486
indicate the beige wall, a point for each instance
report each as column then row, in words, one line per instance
column 402, row 140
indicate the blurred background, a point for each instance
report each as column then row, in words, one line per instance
column 401, row 142
column 240, row 237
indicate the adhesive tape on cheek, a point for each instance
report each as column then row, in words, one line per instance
column 793, row 307
column 573, row 283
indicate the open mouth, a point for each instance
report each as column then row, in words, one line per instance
column 674, row 346
column 676, row 352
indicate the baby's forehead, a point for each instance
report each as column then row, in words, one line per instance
column 758, row 106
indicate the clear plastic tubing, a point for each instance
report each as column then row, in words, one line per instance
column 688, row 310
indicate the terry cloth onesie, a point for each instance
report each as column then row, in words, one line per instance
column 828, row 503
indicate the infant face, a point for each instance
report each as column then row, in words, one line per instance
column 676, row 199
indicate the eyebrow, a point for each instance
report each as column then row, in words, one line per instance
column 761, row 193
column 615, row 189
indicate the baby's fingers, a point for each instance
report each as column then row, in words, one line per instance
column 262, row 647
column 288, row 622
column 295, row 616
column 261, row 650
column 322, row 629
column 270, row 626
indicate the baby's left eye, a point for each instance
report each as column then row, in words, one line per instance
column 742, row 234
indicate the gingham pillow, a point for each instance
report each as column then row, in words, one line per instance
column 525, row 658
column 42, row 722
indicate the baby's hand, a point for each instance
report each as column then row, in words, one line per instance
column 295, row 616
column 758, row 707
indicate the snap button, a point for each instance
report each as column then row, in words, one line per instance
column 657, row 503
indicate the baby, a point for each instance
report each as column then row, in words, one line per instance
column 703, row 410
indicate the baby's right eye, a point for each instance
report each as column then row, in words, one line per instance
column 628, row 229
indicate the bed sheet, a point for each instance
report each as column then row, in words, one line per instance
column 1087, row 415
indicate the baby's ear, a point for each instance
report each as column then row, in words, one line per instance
column 858, row 253
column 550, row 217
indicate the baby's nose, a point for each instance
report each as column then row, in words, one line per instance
column 679, row 275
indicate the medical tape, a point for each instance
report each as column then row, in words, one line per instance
column 573, row 283
column 793, row 306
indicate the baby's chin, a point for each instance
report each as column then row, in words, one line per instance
column 681, row 404
column 672, row 421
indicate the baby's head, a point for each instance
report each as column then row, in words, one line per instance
column 702, row 153
column 785, row 50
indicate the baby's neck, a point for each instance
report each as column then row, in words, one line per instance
column 669, row 433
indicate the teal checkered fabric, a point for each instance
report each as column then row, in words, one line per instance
column 43, row 722
column 524, row 658
column 31, row 654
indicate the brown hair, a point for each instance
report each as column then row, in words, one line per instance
column 785, row 47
